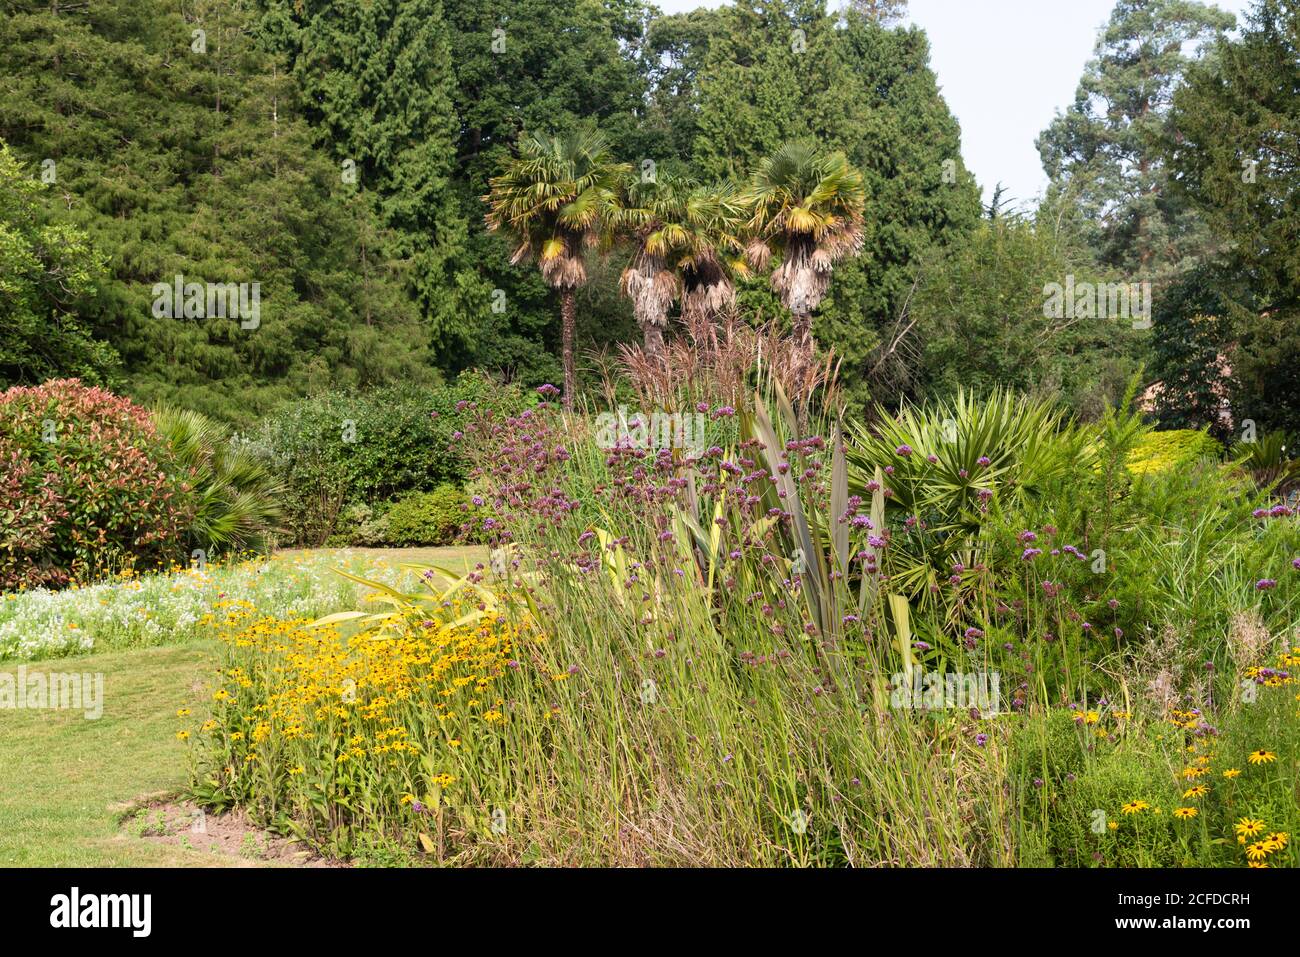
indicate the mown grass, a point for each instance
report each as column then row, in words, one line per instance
column 67, row 780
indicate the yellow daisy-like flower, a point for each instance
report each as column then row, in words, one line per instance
column 1184, row 813
column 1199, row 791
column 1261, row 757
column 1257, row 851
column 1280, row 838
column 1133, row 807
column 1232, row 773
column 1248, row 827
column 1113, row 825
column 182, row 735
column 182, row 712
column 1257, row 863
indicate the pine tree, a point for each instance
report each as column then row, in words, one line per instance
column 1101, row 154
column 180, row 148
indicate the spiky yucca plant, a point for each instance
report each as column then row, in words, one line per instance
column 949, row 460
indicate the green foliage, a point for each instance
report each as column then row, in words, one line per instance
column 1271, row 461
column 1102, row 154
column 237, row 500
column 1232, row 119
column 1193, row 321
column 944, row 463
column 85, row 487
column 179, row 160
column 806, row 214
column 47, row 272
column 338, row 449
column 427, row 518
column 1165, row 451
column 379, row 83
column 1100, row 789
column 978, row 313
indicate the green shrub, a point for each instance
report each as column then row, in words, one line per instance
column 336, row 450
column 361, row 526
column 1158, row 452
column 85, row 486
column 427, row 518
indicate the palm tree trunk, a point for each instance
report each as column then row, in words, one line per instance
column 803, row 333
column 653, row 334
column 803, row 361
column 567, row 327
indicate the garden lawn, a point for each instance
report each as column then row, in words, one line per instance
column 67, row 780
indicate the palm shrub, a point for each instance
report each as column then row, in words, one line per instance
column 1268, row 461
column 237, row 499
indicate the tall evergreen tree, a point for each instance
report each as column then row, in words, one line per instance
column 178, row 144
column 378, row 77
column 1101, row 154
column 1234, row 152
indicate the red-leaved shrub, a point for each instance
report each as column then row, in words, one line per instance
column 84, row 486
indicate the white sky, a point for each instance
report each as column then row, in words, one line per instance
column 1005, row 67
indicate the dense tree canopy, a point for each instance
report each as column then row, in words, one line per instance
column 179, row 147
column 1102, row 151
column 337, row 154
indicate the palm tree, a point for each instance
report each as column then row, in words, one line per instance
column 716, row 216
column 806, row 209
column 553, row 202
column 682, row 233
